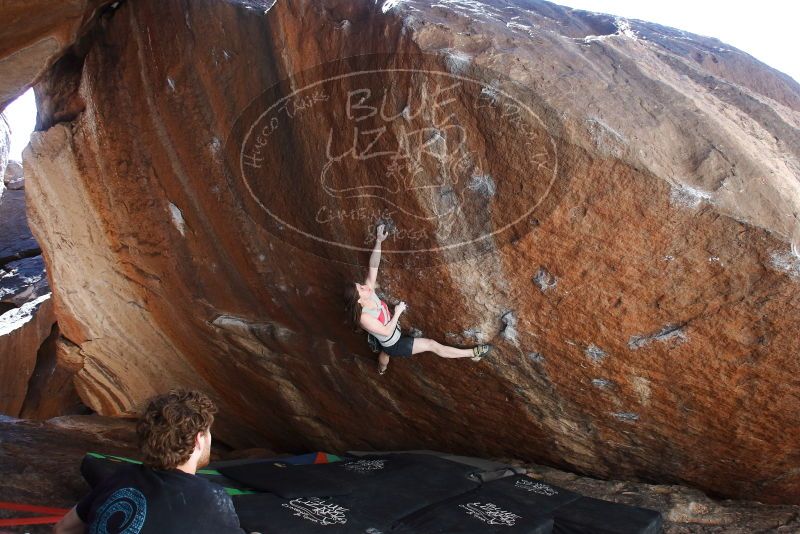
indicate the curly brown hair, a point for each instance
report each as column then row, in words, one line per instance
column 168, row 426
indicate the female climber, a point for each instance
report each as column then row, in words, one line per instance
column 370, row 313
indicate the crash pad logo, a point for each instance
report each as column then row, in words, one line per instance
column 318, row 511
column 535, row 487
column 364, row 466
column 453, row 159
column 491, row 514
column 123, row 512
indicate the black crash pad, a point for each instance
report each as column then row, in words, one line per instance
column 416, row 481
column 476, row 512
column 516, row 504
column 538, row 496
column 519, row 503
column 383, row 490
column 594, row 516
column 343, row 478
column 268, row 513
column 290, row 481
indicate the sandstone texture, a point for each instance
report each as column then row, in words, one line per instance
column 22, row 332
column 685, row 510
column 33, row 35
column 612, row 203
column 40, row 462
column 51, row 387
column 27, row 332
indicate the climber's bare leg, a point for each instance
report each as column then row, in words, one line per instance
column 383, row 362
column 422, row 344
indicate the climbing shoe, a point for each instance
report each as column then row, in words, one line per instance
column 480, row 352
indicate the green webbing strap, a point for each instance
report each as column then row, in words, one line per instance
column 112, row 457
column 234, row 491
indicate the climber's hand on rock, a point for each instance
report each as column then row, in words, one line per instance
column 382, row 233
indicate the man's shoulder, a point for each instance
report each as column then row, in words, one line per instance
column 147, row 477
column 163, row 501
column 164, row 486
column 178, row 477
column 198, row 485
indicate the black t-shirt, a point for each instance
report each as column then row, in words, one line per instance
column 140, row 500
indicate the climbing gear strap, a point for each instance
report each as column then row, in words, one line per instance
column 58, row 513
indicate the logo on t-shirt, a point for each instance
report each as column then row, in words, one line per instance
column 123, row 512
column 491, row 514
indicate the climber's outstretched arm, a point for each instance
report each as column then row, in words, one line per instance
column 375, row 258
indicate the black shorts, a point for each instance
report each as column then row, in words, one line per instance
column 401, row 348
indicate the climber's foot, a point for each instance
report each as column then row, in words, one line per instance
column 382, row 365
column 480, row 352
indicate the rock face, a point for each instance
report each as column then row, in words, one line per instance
column 22, row 270
column 13, row 178
column 27, row 333
column 33, row 35
column 685, row 510
column 5, row 142
column 51, row 388
column 611, row 203
column 22, row 332
column 16, row 241
column 40, row 462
